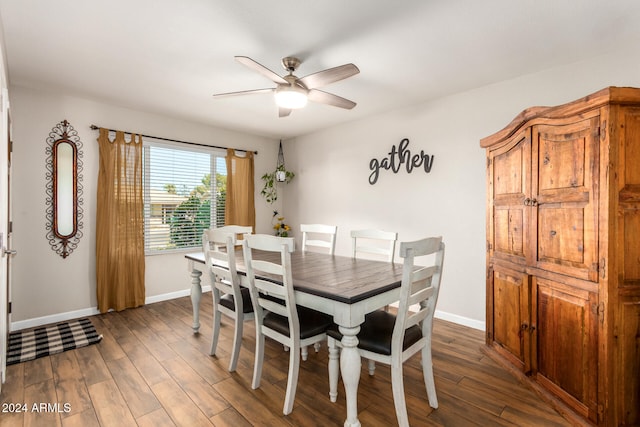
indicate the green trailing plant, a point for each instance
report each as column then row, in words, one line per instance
column 270, row 189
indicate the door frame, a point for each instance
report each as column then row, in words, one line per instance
column 5, row 217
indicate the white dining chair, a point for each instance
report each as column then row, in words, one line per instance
column 375, row 242
column 393, row 339
column 318, row 236
column 229, row 298
column 276, row 313
column 312, row 234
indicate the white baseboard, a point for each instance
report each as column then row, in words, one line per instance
column 53, row 318
column 453, row 318
column 174, row 295
column 62, row 317
column 460, row 320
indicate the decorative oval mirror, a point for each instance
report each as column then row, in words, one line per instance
column 64, row 189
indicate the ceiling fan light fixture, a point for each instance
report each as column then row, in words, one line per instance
column 290, row 97
column 291, row 92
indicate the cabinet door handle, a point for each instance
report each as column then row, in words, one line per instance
column 523, row 329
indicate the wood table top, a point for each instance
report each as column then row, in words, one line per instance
column 338, row 278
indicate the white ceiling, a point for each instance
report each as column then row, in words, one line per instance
column 169, row 56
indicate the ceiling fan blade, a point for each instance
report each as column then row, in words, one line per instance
column 323, row 78
column 243, row 92
column 322, row 97
column 283, row 112
column 250, row 63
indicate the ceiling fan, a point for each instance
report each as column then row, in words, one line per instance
column 292, row 92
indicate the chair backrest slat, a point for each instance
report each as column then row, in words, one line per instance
column 267, row 267
column 273, row 307
column 218, row 257
column 318, row 243
column 420, row 295
column 270, row 288
column 415, row 318
column 424, row 273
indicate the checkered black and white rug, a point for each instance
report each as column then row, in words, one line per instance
column 39, row 342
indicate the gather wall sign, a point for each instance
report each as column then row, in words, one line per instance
column 400, row 156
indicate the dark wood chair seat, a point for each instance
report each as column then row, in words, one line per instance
column 311, row 322
column 376, row 333
column 228, row 301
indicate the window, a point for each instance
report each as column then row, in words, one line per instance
column 184, row 194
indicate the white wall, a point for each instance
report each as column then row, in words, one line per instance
column 45, row 286
column 332, row 170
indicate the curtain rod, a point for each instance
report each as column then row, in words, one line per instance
column 94, row 127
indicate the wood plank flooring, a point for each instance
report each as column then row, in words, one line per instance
column 151, row 370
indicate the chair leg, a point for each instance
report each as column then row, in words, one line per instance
column 237, row 342
column 304, row 351
column 397, row 384
column 427, row 372
column 372, row 366
column 257, row 364
column 334, row 368
column 216, row 328
column 292, row 381
column 317, row 347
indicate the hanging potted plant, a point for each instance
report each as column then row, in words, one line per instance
column 270, row 189
column 281, row 174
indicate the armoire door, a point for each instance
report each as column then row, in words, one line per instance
column 509, row 325
column 509, row 184
column 566, row 324
column 565, row 197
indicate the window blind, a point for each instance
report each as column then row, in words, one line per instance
column 184, row 194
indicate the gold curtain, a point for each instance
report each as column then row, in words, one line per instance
column 120, row 223
column 240, row 204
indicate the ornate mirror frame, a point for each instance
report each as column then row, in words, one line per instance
column 64, row 188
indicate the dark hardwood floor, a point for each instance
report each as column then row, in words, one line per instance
column 151, row 370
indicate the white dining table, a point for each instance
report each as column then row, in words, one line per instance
column 343, row 287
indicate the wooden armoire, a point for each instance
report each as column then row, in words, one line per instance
column 563, row 254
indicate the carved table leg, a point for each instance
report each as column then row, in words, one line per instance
column 196, row 296
column 334, row 369
column 350, row 365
